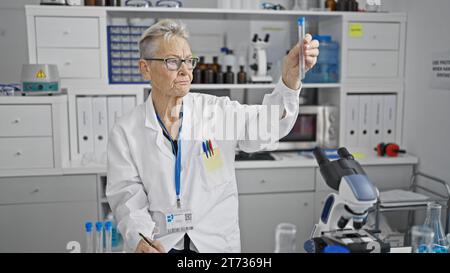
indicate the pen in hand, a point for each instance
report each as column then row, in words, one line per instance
column 149, row 242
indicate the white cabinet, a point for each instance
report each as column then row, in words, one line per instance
column 275, row 180
column 259, row 214
column 23, row 152
column 384, row 177
column 70, row 32
column 374, row 48
column 74, row 42
column 21, row 120
column 33, row 133
column 372, row 64
column 42, row 214
column 271, row 196
column 72, row 62
column 375, row 35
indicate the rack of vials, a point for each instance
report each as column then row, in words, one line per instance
column 99, row 237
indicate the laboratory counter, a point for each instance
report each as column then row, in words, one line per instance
column 282, row 160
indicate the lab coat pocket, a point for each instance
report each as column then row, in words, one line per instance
column 214, row 172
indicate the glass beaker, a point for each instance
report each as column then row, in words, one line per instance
column 448, row 242
column 421, row 239
column 285, row 238
column 433, row 221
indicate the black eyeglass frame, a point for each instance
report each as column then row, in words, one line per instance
column 172, row 58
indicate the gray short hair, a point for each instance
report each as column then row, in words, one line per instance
column 164, row 28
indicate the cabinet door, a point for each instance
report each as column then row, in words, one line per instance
column 372, row 64
column 73, row 63
column 44, row 227
column 259, row 214
column 67, row 32
column 384, row 177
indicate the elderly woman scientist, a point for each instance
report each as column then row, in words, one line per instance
column 176, row 189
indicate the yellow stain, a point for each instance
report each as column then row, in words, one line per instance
column 359, row 155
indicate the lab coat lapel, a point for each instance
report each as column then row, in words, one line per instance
column 152, row 122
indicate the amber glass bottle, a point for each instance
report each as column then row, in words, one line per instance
column 241, row 76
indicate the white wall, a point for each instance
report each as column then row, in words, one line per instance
column 13, row 39
column 427, row 111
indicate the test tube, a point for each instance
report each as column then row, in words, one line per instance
column 301, row 36
column 108, row 236
column 89, row 238
column 98, row 237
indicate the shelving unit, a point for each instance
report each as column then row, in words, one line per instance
column 385, row 38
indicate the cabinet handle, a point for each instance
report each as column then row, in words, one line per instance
column 305, row 204
column 66, row 32
column 67, row 63
column 17, row 120
column 374, row 37
column 36, row 190
column 263, row 181
column 373, row 64
column 18, row 153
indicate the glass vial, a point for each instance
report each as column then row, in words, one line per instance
column 98, row 237
column 89, row 247
column 108, row 237
column 285, row 238
column 433, row 220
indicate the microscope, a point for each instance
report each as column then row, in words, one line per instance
column 340, row 228
column 260, row 55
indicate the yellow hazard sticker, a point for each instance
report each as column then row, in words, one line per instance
column 41, row 74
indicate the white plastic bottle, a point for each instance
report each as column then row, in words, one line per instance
column 230, row 60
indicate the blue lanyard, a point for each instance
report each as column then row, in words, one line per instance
column 178, row 156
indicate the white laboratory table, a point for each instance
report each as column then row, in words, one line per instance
column 283, row 160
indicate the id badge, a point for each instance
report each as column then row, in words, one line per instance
column 179, row 221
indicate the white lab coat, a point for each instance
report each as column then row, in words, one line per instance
column 140, row 188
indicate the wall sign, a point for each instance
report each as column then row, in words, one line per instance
column 440, row 73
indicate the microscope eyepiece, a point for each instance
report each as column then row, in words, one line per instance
column 343, row 153
column 320, row 156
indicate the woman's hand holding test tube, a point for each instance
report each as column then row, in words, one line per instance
column 290, row 72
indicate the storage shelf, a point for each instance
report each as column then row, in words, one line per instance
column 226, row 86
column 257, row 86
column 221, row 14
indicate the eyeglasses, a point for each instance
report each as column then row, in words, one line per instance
column 169, row 4
column 174, row 64
column 267, row 5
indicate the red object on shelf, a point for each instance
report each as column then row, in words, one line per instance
column 389, row 149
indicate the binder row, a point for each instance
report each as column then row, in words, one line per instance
column 95, row 118
column 370, row 119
